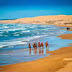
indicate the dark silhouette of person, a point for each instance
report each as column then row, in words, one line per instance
column 42, row 48
column 29, row 48
column 68, row 28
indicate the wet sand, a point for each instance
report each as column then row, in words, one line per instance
column 70, row 29
column 58, row 20
column 60, row 60
column 55, row 62
column 66, row 36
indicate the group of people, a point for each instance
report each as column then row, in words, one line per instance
column 39, row 46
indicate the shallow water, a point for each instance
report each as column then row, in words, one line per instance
column 14, row 39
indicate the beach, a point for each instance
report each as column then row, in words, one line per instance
column 35, row 35
column 66, row 36
column 59, row 60
column 58, row 20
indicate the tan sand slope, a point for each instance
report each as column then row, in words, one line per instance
column 67, row 68
column 66, row 36
column 60, row 20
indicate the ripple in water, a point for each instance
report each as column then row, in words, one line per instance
column 15, row 34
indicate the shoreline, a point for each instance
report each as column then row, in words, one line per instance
column 60, row 60
column 58, row 20
column 66, row 36
column 54, row 62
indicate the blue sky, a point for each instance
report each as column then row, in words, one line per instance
column 35, row 2
column 11, row 9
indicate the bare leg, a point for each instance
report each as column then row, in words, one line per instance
column 35, row 50
column 39, row 50
column 29, row 51
column 47, row 50
column 42, row 50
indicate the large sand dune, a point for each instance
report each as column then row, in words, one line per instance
column 60, row 20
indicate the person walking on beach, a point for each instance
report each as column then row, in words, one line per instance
column 29, row 48
column 47, row 47
column 42, row 48
column 39, row 45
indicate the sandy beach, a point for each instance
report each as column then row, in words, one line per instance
column 59, row 60
column 35, row 35
column 66, row 36
column 59, row 20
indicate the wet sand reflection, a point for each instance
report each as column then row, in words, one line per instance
column 47, row 49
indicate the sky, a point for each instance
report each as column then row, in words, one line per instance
column 35, row 2
column 11, row 9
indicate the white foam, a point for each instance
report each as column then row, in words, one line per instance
column 18, row 41
column 12, row 43
column 5, row 27
column 26, row 31
column 13, row 29
column 16, row 34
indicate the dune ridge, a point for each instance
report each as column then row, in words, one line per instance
column 59, row 20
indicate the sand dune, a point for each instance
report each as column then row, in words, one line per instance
column 60, row 20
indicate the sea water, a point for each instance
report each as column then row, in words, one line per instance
column 14, row 40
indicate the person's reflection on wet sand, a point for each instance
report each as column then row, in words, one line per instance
column 35, row 48
column 29, row 48
column 47, row 47
column 42, row 48
column 39, row 45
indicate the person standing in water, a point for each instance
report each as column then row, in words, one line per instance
column 42, row 48
column 29, row 48
column 35, row 48
column 39, row 45
column 68, row 28
column 47, row 47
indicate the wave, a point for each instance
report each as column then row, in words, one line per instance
column 19, row 41
column 16, row 34
column 12, row 43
